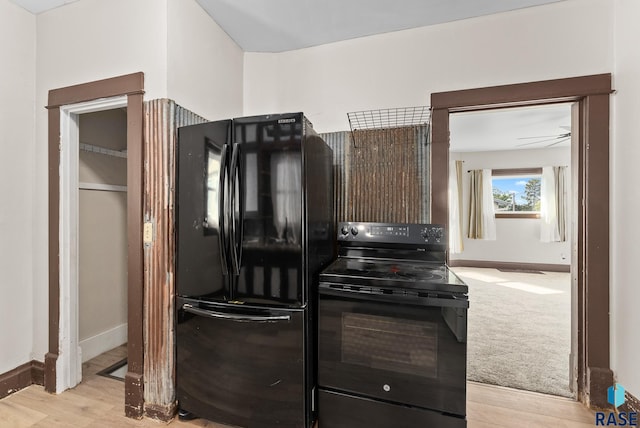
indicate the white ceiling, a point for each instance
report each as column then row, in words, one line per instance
column 282, row 25
column 535, row 127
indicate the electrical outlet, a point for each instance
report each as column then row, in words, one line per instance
column 147, row 233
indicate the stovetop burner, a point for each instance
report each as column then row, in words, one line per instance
column 390, row 269
column 397, row 273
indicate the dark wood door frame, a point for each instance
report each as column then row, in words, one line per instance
column 590, row 164
column 131, row 85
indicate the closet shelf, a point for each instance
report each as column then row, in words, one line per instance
column 102, row 150
column 102, row 187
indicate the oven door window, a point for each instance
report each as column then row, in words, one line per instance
column 400, row 353
column 390, row 343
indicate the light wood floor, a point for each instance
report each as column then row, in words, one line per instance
column 99, row 402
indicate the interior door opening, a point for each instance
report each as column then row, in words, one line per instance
column 522, row 333
column 93, row 234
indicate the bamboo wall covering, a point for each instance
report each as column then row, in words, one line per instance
column 383, row 177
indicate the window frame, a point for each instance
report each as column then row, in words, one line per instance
column 504, row 172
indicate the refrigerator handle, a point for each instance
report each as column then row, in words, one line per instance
column 234, row 317
column 221, row 211
column 232, row 207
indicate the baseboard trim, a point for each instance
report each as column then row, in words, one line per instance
column 632, row 404
column 22, row 376
column 547, row 267
column 50, row 361
column 599, row 379
column 102, row 342
column 37, row 372
column 133, row 391
column 160, row 412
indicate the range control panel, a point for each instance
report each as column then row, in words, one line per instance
column 392, row 233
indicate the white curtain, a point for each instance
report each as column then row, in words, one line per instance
column 286, row 181
column 456, row 244
column 553, row 204
column 482, row 223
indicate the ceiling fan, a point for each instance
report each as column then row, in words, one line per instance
column 551, row 139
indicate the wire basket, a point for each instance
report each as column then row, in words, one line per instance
column 391, row 118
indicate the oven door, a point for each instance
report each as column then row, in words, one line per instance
column 402, row 349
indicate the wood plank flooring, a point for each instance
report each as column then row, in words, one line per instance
column 99, row 402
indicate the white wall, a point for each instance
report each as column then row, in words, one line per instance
column 204, row 68
column 400, row 69
column 625, row 204
column 182, row 52
column 78, row 43
column 564, row 39
column 517, row 240
column 17, row 152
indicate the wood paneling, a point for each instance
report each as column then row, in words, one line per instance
column 162, row 118
column 159, row 391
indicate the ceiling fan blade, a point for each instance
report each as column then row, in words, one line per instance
column 539, row 136
column 562, row 140
column 538, row 142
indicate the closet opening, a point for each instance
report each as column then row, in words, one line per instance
column 102, row 242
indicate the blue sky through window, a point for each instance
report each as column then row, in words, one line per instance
column 512, row 184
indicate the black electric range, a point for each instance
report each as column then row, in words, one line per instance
column 392, row 330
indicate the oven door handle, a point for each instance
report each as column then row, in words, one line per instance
column 373, row 295
column 234, row 317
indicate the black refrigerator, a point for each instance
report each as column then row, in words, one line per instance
column 254, row 212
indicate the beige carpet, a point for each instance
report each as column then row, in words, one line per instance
column 519, row 329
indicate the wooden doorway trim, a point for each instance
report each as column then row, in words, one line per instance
column 131, row 86
column 590, row 164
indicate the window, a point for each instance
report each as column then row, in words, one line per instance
column 516, row 192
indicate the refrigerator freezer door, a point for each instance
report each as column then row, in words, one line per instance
column 268, row 209
column 241, row 366
column 202, row 262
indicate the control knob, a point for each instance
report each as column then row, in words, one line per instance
column 354, row 231
column 344, row 230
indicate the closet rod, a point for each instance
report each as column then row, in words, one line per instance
column 102, row 187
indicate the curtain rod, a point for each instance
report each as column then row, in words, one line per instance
column 535, row 167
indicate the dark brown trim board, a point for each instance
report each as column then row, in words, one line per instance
column 517, row 215
column 51, row 357
column 515, row 171
column 590, row 162
column 131, row 85
column 545, row 267
column 133, row 381
column 128, row 84
column 21, row 377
